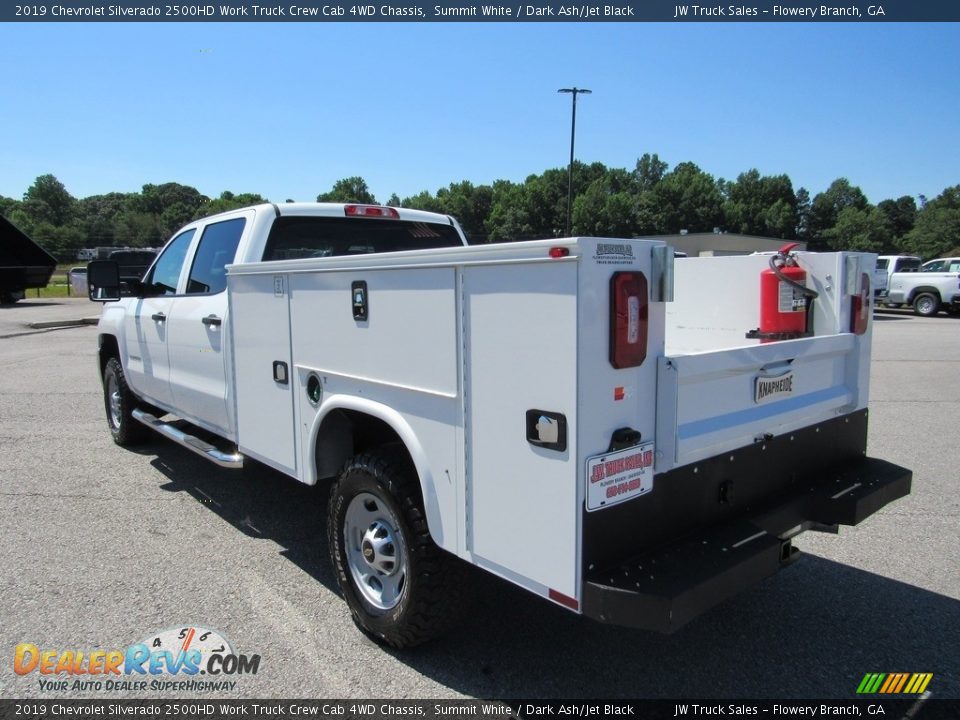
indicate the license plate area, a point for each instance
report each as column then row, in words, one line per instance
column 615, row 477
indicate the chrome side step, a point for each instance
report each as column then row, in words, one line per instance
column 204, row 449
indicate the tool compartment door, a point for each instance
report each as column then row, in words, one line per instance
column 520, row 327
column 260, row 312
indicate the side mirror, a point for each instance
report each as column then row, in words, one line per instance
column 103, row 281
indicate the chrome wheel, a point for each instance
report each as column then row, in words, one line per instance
column 926, row 305
column 375, row 549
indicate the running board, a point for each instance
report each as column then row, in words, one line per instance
column 212, row 453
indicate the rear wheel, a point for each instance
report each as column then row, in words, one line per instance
column 400, row 587
column 119, row 403
column 926, row 304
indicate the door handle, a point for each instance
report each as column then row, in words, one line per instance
column 158, row 317
column 212, row 320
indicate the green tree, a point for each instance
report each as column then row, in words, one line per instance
column 136, row 228
column 866, row 230
column 758, row 205
column 424, row 200
column 688, row 199
column 470, row 205
column 508, row 219
column 826, row 208
column 229, row 201
column 349, row 190
column 47, row 201
column 937, row 230
column 609, row 206
column 649, row 170
column 901, row 214
column 60, row 241
column 394, row 201
column 96, row 215
column 802, row 229
column 602, row 213
column 7, row 205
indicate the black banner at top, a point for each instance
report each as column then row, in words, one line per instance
column 505, row 11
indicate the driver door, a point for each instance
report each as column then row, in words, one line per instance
column 148, row 363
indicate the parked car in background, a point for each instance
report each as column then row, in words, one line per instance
column 950, row 265
column 133, row 263
column 887, row 265
column 934, row 287
column 77, row 280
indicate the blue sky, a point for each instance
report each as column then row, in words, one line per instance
column 286, row 109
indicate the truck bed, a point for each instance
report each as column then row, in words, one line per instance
column 467, row 352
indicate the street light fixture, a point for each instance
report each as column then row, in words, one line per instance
column 573, row 131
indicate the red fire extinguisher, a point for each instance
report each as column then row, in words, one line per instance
column 785, row 300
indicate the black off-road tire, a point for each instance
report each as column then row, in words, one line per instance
column 378, row 492
column 119, row 403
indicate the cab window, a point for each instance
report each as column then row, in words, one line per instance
column 937, row 266
column 217, row 249
column 163, row 278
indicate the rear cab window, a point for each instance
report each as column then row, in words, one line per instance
column 293, row 238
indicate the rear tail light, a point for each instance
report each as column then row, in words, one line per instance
column 628, row 319
column 371, row 211
column 860, row 307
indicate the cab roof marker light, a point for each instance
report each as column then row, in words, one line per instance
column 371, row 211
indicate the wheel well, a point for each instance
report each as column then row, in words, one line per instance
column 346, row 433
column 924, row 291
column 108, row 349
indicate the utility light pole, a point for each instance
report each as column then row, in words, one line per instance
column 573, row 131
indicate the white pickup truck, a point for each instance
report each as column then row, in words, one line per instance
column 583, row 417
column 934, row 287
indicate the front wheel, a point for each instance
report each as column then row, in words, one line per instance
column 119, row 403
column 926, row 305
column 400, row 587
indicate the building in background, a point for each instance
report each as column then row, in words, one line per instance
column 719, row 244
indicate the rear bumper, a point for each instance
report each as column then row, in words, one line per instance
column 665, row 588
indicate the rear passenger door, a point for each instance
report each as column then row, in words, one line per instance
column 198, row 332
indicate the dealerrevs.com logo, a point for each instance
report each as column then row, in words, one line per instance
column 173, row 659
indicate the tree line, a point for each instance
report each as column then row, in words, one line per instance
column 650, row 199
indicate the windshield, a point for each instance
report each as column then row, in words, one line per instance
column 292, row 238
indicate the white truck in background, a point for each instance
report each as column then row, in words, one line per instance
column 932, row 287
column 887, row 265
column 583, row 417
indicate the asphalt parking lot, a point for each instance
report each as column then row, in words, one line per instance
column 104, row 547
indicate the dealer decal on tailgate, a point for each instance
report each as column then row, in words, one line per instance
column 618, row 476
column 772, row 388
